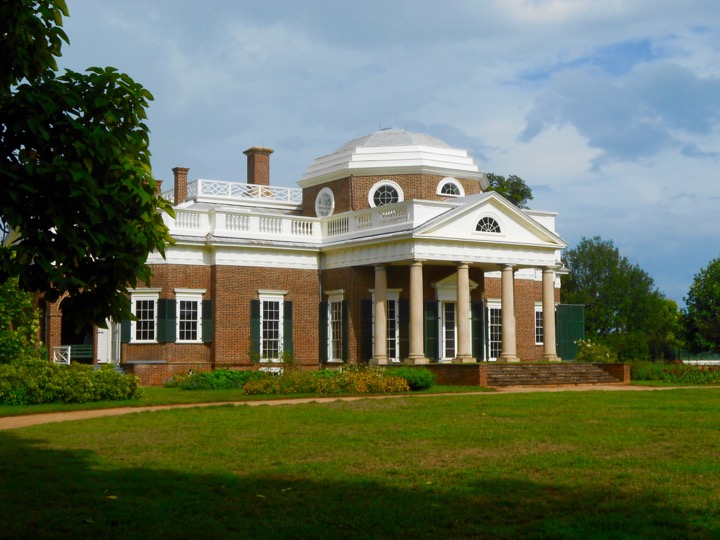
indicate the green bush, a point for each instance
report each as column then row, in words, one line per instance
column 644, row 370
column 349, row 380
column 692, row 375
column 32, row 383
column 418, row 378
column 220, row 379
column 592, row 352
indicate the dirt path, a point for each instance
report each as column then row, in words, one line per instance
column 13, row 422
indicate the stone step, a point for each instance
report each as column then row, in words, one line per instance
column 502, row 375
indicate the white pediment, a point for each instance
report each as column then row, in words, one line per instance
column 516, row 227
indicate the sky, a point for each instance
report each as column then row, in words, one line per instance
column 608, row 109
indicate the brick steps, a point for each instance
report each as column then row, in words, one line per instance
column 562, row 374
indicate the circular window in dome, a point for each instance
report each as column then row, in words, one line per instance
column 324, row 203
column 385, row 192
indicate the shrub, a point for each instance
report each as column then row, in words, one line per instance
column 418, row 378
column 220, row 379
column 692, row 375
column 349, row 380
column 31, row 383
column 644, row 370
column 592, row 352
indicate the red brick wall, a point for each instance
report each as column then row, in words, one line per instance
column 237, row 286
column 351, row 193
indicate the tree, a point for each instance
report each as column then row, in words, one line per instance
column 18, row 324
column 622, row 304
column 701, row 317
column 79, row 211
column 513, row 188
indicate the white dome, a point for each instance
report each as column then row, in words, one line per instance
column 392, row 151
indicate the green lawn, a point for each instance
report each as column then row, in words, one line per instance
column 541, row 465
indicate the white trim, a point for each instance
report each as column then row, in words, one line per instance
column 144, row 295
column 279, row 297
column 189, row 295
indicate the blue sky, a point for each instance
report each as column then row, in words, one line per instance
column 609, row 110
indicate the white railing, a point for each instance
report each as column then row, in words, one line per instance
column 235, row 191
column 396, row 216
column 61, row 355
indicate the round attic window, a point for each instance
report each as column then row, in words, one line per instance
column 385, row 192
column 324, row 203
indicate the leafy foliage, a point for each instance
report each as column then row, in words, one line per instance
column 701, row 317
column 623, row 308
column 79, row 209
column 31, row 383
column 589, row 351
column 418, row 378
column 18, row 325
column 219, row 379
column 513, row 188
column 692, row 375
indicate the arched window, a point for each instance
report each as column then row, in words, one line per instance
column 450, row 187
column 385, row 192
column 488, row 224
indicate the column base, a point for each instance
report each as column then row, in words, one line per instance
column 509, row 359
column 379, row 361
column 551, row 358
column 416, row 361
column 464, row 360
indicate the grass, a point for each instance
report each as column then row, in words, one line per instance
column 540, row 465
column 155, row 395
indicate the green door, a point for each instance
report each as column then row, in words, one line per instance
column 569, row 327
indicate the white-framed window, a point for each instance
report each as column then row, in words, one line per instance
column 539, row 328
column 448, row 330
column 450, row 187
column 385, row 192
column 494, row 330
column 144, row 305
column 487, row 224
column 324, row 203
column 393, row 324
column 335, row 325
column 188, row 307
column 271, row 325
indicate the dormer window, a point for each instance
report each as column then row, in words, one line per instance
column 450, row 187
column 487, row 224
column 385, row 192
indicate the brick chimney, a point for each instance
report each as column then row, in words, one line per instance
column 158, row 186
column 180, row 174
column 258, row 165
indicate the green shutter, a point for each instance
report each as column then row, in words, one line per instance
column 431, row 329
column 323, row 332
column 569, row 328
column 288, row 330
column 125, row 331
column 404, row 327
column 255, row 351
column 208, row 329
column 345, row 332
column 166, row 321
column 366, row 330
column 477, row 321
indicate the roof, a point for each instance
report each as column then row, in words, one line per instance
column 392, row 151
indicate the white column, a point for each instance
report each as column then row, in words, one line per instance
column 548, row 306
column 464, row 346
column 380, row 333
column 507, row 298
column 417, row 346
